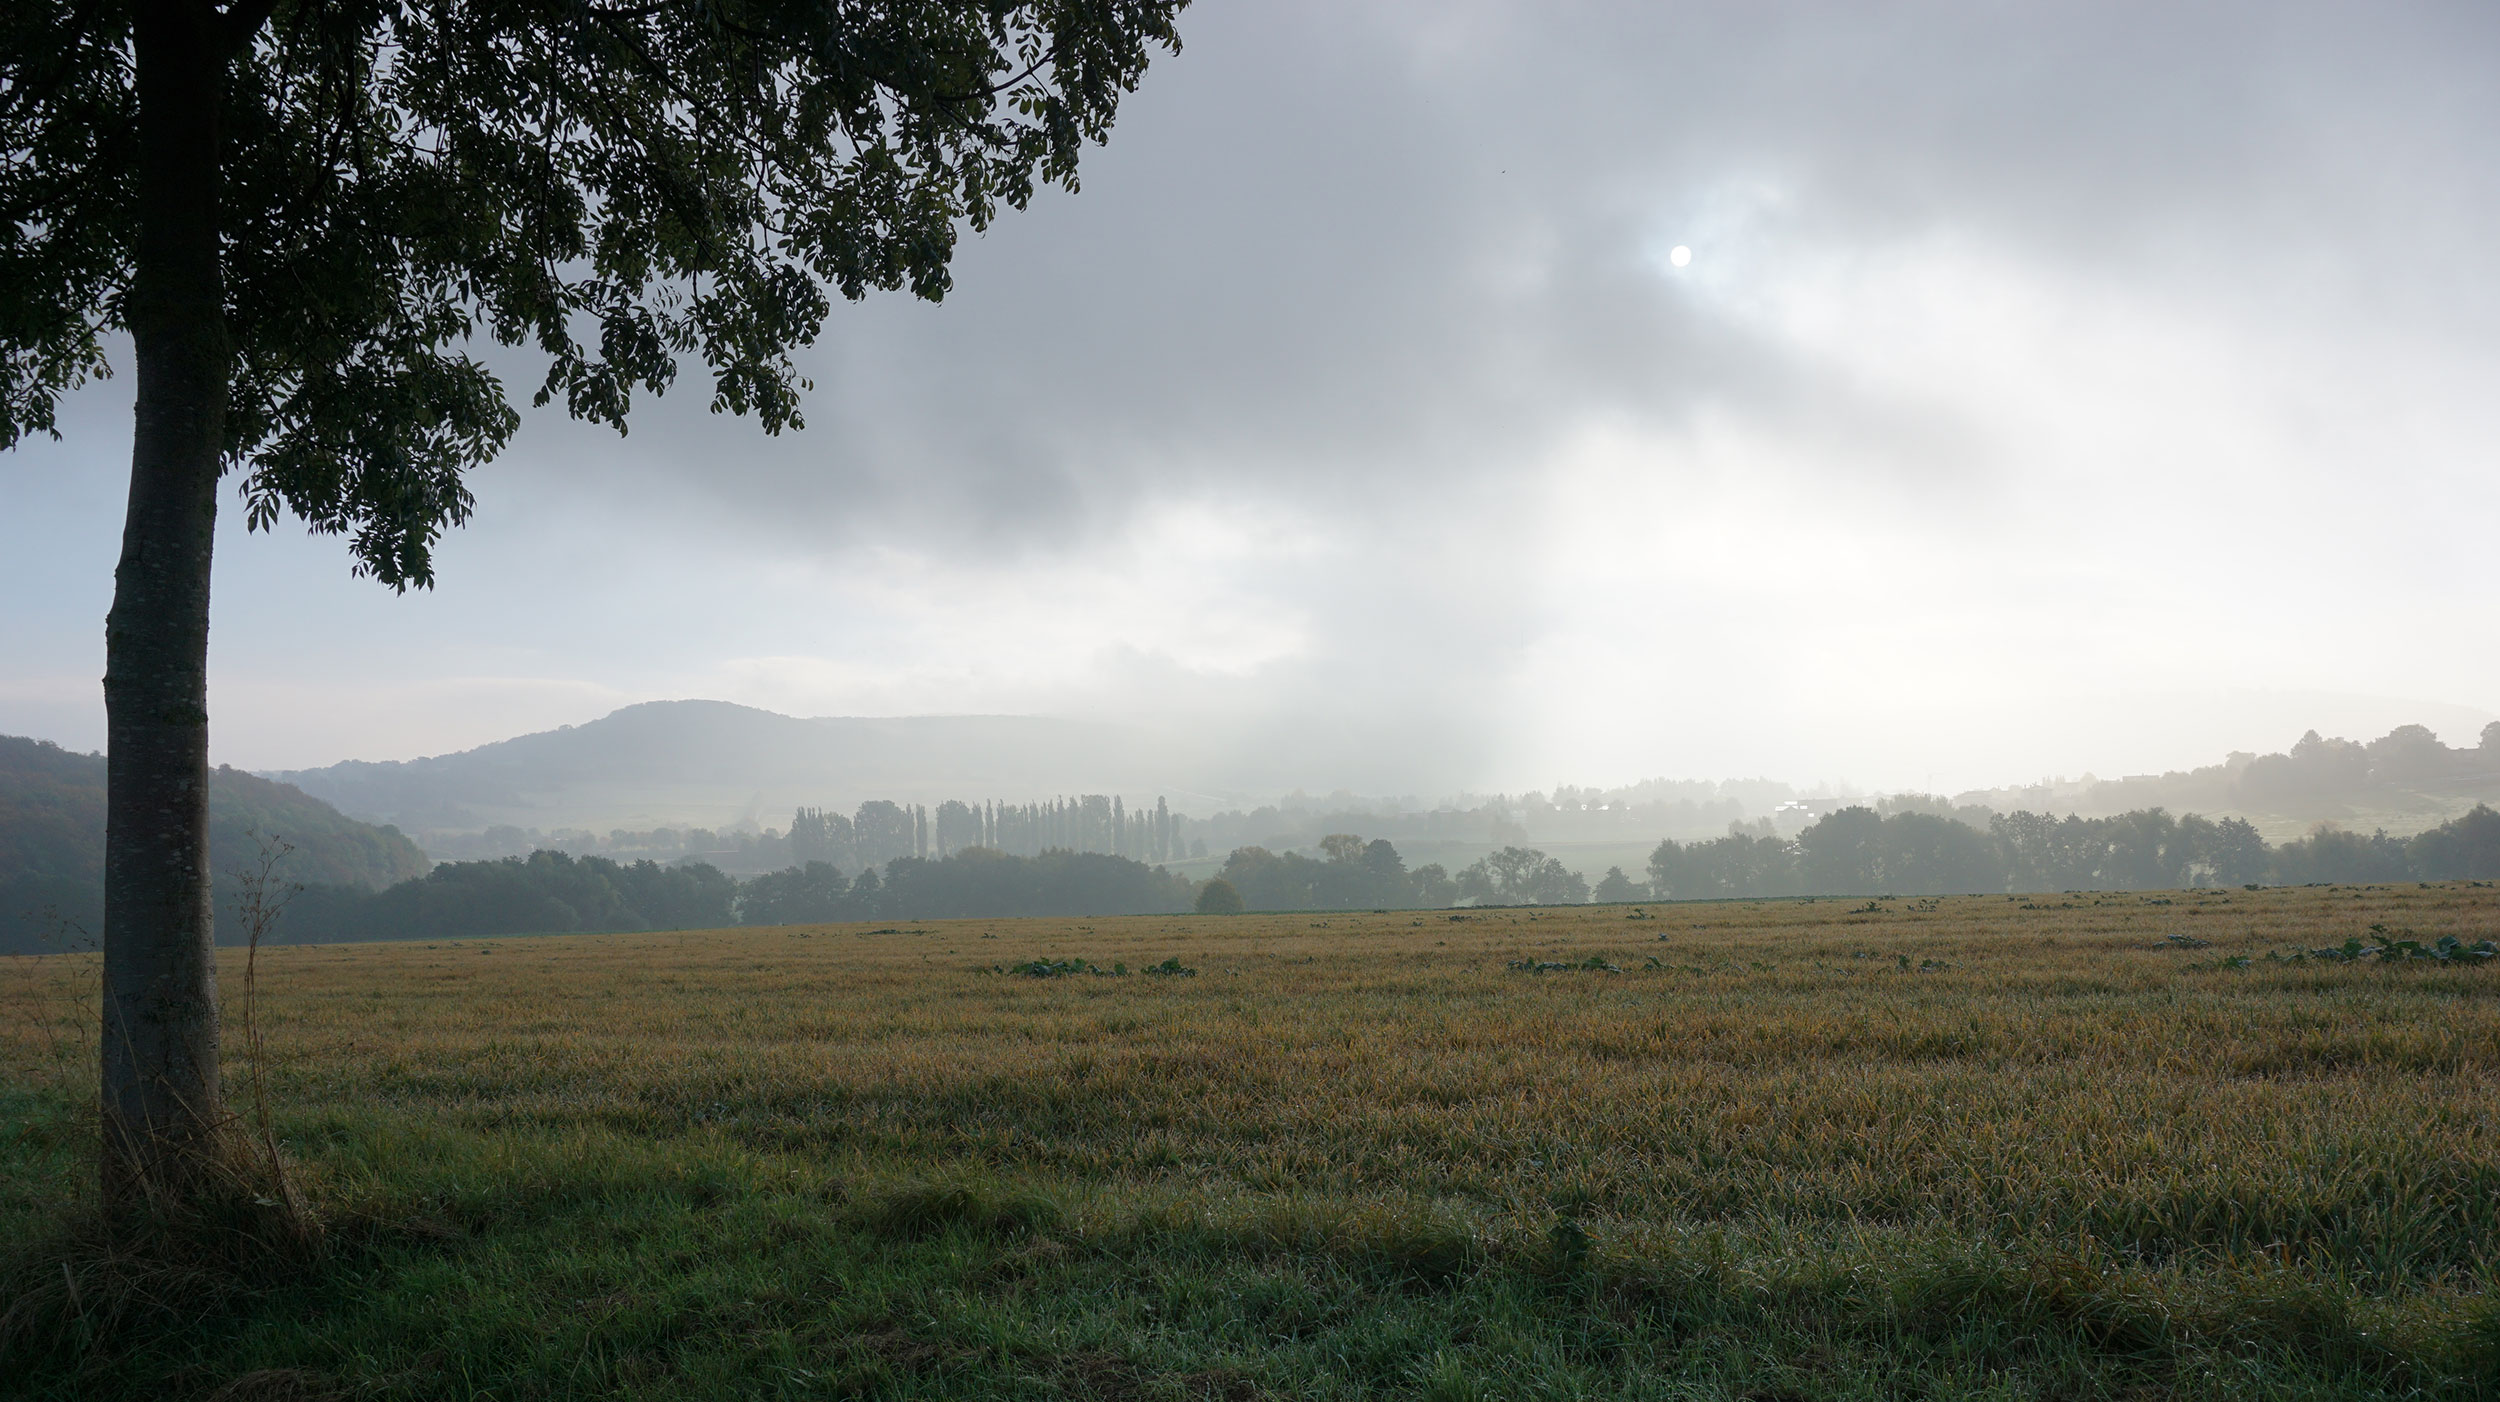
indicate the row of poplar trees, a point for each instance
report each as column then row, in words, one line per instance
column 881, row 831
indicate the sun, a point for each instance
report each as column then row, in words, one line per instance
column 1680, row 256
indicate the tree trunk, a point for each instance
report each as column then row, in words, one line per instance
column 163, row 1118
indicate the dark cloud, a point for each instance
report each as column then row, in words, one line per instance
column 1376, row 250
column 1352, row 401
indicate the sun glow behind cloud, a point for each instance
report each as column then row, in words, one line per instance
column 2077, row 387
column 2024, row 487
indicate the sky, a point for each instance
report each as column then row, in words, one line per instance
column 2048, row 389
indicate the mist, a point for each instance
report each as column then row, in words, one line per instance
column 2049, row 390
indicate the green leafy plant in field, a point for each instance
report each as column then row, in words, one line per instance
column 2447, row 949
column 1061, row 968
column 1595, row 963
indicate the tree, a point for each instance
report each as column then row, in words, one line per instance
column 2409, row 754
column 302, row 215
column 2330, row 853
column 1924, row 853
column 807, row 836
column 1522, row 876
column 1615, row 886
column 1381, row 859
column 956, row 826
column 1433, row 886
column 2235, row 852
column 2462, row 849
column 1512, row 870
column 1841, row 853
column 1552, row 883
column 881, row 831
column 814, row 893
column 1218, row 897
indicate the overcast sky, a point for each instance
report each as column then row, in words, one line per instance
column 2050, row 388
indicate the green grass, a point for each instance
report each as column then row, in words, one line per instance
column 1357, row 1156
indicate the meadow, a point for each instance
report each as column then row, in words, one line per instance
column 2086, row 1146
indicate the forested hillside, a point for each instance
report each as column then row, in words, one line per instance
column 2406, row 780
column 711, row 764
column 52, row 842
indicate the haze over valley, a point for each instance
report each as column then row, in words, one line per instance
column 1419, row 701
column 2047, row 391
column 701, row 812
column 679, row 767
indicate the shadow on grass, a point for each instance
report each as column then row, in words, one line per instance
column 964, row 1287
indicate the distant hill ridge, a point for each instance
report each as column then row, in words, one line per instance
column 2405, row 780
column 714, row 762
column 52, row 841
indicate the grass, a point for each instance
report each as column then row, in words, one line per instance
column 1971, row 1147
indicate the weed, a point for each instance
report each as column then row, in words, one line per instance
column 2447, row 949
column 1060, row 968
column 1595, row 963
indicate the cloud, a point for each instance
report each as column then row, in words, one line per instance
column 2124, row 363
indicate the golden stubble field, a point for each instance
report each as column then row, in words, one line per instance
column 2034, row 1073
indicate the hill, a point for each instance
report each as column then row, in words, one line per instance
column 52, row 840
column 2404, row 781
column 713, row 764
column 700, row 766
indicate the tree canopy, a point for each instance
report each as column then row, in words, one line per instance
column 615, row 186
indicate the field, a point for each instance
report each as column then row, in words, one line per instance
column 1968, row 1147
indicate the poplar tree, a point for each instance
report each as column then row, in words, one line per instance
column 307, row 217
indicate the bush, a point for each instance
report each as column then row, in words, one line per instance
column 1218, row 897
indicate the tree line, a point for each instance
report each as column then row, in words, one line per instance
column 558, row 893
column 543, row 893
column 1350, row 873
column 974, row 881
column 882, row 831
column 1857, row 851
column 1853, row 852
